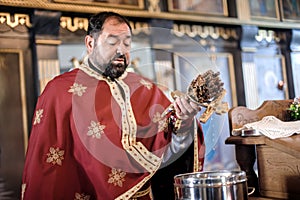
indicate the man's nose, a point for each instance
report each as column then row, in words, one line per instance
column 122, row 49
column 119, row 50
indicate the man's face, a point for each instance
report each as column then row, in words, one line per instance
column 110, row 52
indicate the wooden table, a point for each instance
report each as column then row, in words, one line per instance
column 278, row 162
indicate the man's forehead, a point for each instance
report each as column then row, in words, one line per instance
column 111, row 23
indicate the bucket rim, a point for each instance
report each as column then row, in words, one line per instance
column 210, row 178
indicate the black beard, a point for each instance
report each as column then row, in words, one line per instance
column 114, row 71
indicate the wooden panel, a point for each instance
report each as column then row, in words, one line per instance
column 279, row 174
column 289, row 145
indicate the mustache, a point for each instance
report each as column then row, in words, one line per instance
column 119, row 55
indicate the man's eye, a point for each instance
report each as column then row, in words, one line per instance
column 127, row 42
column 112, row 41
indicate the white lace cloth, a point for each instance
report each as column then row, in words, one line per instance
column 273, row 127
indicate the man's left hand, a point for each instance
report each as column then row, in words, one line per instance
column 184, row 108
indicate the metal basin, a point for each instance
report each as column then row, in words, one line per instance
column 212, row 185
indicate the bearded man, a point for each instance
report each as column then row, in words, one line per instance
column 98, row 131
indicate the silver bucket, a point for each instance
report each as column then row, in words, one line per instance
column 213, row 185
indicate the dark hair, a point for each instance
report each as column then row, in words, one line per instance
column 96, row 21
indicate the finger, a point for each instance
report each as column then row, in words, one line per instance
column 177, row 106
column 188, row 108
column 195, row 106
column 180, row 109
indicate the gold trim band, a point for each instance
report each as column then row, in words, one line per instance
column 142, row 193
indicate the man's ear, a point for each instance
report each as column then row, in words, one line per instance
column 89, row 43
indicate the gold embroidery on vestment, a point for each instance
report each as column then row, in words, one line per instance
column 38, row 116
column 147, row 84
column 200, row 166
column 142, row 193
column 139, row 185
column 96, row 130
column 196, row 149
column 117, row 177
column 77, row 89
column 55, row 156
column 82, row 196
column 156, row 117
column 162, row 123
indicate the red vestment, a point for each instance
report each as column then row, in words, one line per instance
column 90, row 139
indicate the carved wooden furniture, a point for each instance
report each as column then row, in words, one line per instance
column 278, row 160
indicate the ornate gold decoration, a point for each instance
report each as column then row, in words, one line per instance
column 141, row 11
column 207, row 91
column 267, row 35
column 217, row 106
column 18, row 19
column 154, row 6
column 74, row 24
column 139, row 4
column 204, row 31
column 140, row 27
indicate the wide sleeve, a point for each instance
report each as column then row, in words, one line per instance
column 185, row 154
column 50, row 170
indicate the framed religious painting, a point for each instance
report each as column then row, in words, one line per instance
column 164, row 73
column 131, row 4
column 211, row 7
column 13, row 119
column 290, row 10
column 264, row 9
column 264, row 78
column 296, row 72
column 13, row 101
